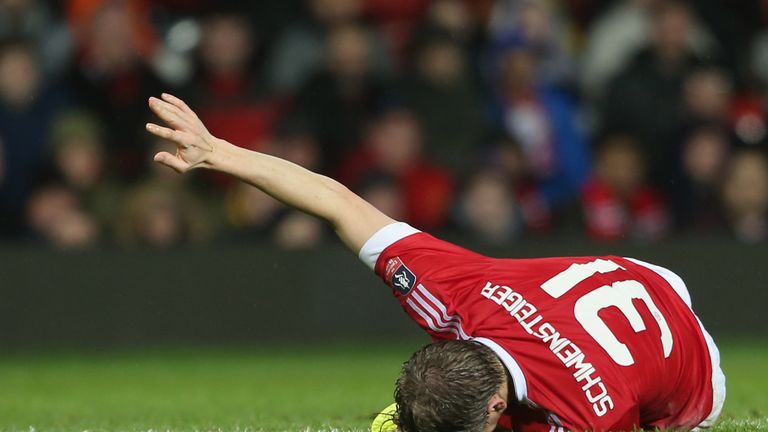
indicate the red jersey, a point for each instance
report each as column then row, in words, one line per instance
column 596, row 343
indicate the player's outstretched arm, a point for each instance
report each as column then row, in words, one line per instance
column 354, row 219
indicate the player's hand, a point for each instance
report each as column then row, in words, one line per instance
column 194, row 144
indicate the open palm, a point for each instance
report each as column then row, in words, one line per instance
column 194, row 144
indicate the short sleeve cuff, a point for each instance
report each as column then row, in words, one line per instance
column 382, row 239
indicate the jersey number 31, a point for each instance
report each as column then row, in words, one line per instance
column 619, row 295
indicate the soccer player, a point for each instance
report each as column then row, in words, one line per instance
column 551, row 344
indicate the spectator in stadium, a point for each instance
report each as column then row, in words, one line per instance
column 617, row 201
column 707, row 95
column 540, row 26
column 646, row 98
column 699, row 151
column 383, row 192
column 745, row 195
column 695, row 198
column 37, row 22
column 251, row 215
column 487, row 209
column 612, row 39
column 394, row 147
column 297, row 230
column 111, row 74
column 396, row 20
column 227, row 88
column 27, row 108
column 506, row 156
column 78, row 149
column 301, row 50
column 446, row 101
column 161, row 216
column 542, row 119
column 56, row 218
column 453, row 19
column 616, row 35
column 80, row 160
column 337, row 100
column 295, row 142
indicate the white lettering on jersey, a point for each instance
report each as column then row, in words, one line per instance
column 619, row 295
column 533, row 322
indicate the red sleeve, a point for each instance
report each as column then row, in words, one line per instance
column 425, row 275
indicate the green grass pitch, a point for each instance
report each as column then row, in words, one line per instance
column 262, row 389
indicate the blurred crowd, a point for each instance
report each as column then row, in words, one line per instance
column 497, row 119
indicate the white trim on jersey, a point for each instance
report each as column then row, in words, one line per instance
column 442, row 318
column 671, row 277
column 454, row 319
column 557, row 422
column 433, row 314
column 428, row 319
column 436, row 321
column 718, row 378
column 518, row 379
column 382, row 239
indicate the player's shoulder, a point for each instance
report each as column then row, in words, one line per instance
column 407, row 242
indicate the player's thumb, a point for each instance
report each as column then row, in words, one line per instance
column 171, row 161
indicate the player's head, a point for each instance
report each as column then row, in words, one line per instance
column 458, row 386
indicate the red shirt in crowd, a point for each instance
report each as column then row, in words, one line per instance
column 427, row 189
column 608, row 216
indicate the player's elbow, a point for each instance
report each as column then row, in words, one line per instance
column 353, row 219
column 338, row 201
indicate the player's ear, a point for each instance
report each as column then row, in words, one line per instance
column 496, row 405
column 495, row 408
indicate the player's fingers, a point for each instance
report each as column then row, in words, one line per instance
column 171, row 161
column 178, row 103
column 160, row 131
column 183, row 140
column 180, row 138
column 165, row 109
column 169, row 113
column 186, row 113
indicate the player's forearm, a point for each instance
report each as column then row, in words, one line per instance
column 285, row 181
column 354, row 219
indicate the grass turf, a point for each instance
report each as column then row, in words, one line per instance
column 275, row 389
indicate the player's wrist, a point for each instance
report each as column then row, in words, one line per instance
column 221, row 156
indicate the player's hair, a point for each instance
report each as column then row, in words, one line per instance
column 446, row 386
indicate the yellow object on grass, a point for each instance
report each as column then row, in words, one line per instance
column 384, row 422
